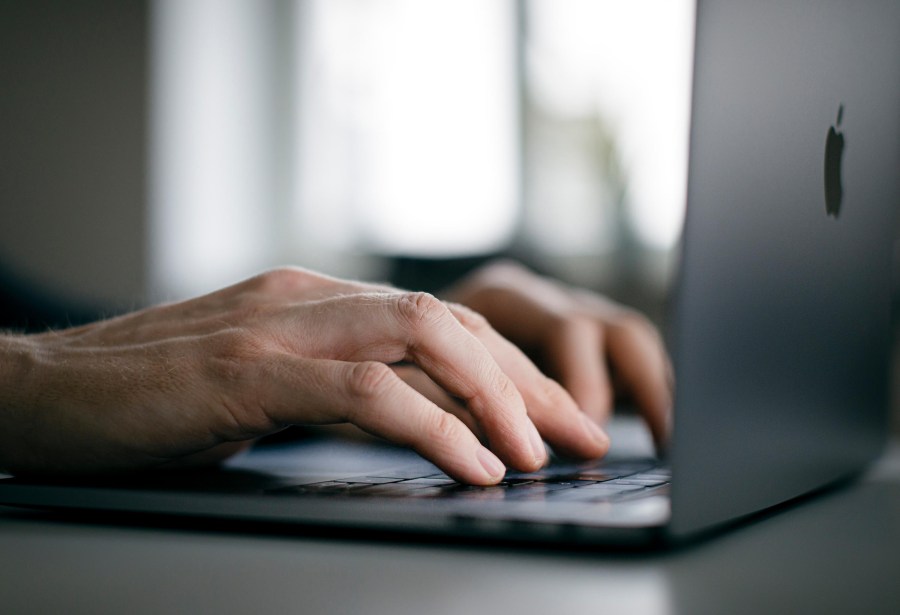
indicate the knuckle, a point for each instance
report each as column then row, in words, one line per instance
column 554, row 394
column 369, row 379
column 444, row 427
column 278, row 280
column 579, row 323
column 502, row 392
column 635, row 320
column 635, row 325
column 506, row 389
column 238, row 350
column 418, row 308
column 568, row 326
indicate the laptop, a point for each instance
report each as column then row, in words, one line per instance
column 781, row 324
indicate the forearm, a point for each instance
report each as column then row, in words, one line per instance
column 19, row 360
column 72, row 403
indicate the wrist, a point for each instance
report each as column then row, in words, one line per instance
column 19, row 356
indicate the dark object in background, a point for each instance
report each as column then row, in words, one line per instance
column 26, row 308
column 433, row 274
column 436, row 274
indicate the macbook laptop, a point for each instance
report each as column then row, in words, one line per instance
column 781, row 323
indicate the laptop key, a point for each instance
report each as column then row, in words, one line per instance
column 408, row 472
column 661, row 477
column 595, row 476
column 488, row 494
column 660, row 490
column 532, row 491
column 372, row 480
column 593, row 492
column 571, row 484
column 430, row 482
column 627, row 467
column 643, row 482
column 322, row 488
column 395, row 490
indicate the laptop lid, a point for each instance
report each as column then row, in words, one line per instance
column 782, row 316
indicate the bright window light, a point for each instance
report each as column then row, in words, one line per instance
column 211, row 157
column 610, row 86
column 407, row 131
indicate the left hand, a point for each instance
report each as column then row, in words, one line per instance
column 597, row 349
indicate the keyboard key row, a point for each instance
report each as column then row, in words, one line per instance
column 531, row 490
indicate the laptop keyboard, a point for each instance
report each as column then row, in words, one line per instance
column 601, row 481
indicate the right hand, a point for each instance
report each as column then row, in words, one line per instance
column 195, row 380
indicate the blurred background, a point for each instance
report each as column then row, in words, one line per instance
column 152, row 150
column 155, row 150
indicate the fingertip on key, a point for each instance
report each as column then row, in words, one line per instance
column 537, row 446
column 492, row 466
column 601, row 439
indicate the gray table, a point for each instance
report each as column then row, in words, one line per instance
column 836, row 553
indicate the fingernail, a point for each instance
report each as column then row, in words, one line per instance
column 594, row 430
column 493, row 466
column 537, row 444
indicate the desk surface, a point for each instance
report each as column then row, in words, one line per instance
column 836, row 553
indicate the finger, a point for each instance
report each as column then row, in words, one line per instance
column 428, row 388
column 419, row 328
column 558, row 418
column 574, row 352
column 536, row 313
column 643, row 370
column 371, row 396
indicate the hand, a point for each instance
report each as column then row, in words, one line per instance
column 596, row 348
column 197, row 380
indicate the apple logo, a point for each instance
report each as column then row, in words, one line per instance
column 834, row 156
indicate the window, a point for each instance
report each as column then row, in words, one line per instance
column 607, row 122
column 406, row 140
column 320, row 132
